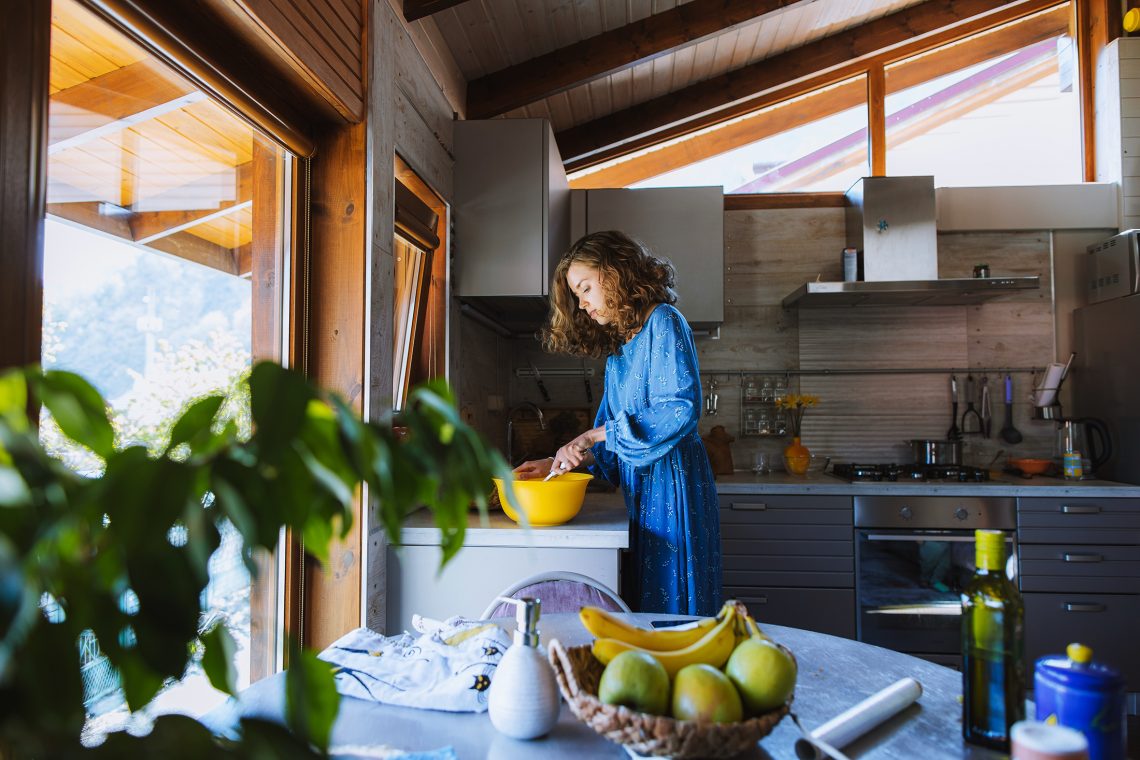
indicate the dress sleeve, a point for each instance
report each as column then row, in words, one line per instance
column 673, row 396
column 605, row 461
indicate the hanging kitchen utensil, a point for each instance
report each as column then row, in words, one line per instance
column 1009, row 433
column 541, row 385
column 971, row 420
column 987, row 413
column 954, row 434
column 712, row 399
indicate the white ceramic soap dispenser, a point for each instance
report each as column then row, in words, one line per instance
column 523, row 701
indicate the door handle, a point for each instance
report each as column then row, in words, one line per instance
column 751, row 506
column 1079, row 509
column 1076, row 607
column 1083, row 558
column 754, row 600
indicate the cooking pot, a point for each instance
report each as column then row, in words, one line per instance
column 926, row 451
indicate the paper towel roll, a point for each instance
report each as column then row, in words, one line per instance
column 1046, row 391
column 858, row 720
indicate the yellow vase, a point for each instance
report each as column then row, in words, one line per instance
column 797, row 457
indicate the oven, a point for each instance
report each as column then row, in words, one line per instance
column 913, row 558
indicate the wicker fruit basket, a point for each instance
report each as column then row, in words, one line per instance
column 578, row 673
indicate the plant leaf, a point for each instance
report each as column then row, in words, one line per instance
column 218, row 658
column 195, row 422
column 311, row 698
column 78, row 409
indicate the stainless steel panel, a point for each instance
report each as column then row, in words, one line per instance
column 936, row 512
column 1104, row 377
column 948, row 292
column 1114, row 267
column 682, row 224
column 893, row 221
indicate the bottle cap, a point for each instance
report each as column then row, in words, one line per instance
column 990, row 549
column 1034, row 740
column 1132, row 20
column 1079, row 653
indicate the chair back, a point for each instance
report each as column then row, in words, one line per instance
column 559, row 592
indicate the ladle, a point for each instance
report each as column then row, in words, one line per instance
column 1009, row 433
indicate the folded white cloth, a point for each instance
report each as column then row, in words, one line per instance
column 447, row 668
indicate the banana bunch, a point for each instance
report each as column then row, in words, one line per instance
column 746, row 626
column 710, row 641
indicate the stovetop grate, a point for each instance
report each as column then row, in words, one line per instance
column 910, row 473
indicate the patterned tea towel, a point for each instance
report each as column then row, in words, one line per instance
column 448, row 667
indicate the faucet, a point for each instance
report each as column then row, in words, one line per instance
column 511, row 424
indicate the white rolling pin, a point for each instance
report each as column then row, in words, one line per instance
column 852, row 723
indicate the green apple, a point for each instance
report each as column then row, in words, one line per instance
column 763, row 673
column 636, row 680
column 701, row 692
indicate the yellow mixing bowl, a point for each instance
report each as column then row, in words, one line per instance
column 550, row 502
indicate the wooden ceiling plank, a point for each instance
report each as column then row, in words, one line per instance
column 832, row 59
column 603, row 54
column 120, row 97
column 125, row 123
column 900, row 76
column 417, row 9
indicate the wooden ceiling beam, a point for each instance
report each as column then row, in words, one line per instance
column 735, row 93
column 114, row 101
column 417, row 9
column 609, row 52
column 148, row 226
column 904, row 74
column 114, row 221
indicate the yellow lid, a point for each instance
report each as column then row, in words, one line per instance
column 990, row 549
column 1132, row 20
column 1079, row 653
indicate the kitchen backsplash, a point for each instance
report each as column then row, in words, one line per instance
column 865, row 418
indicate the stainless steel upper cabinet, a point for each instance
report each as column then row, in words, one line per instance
column 682, row 224
column 512, row 207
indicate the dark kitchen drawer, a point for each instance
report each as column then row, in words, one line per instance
column 812, row 609
column 780, row 509
column 1105, row 622
column 1081, row 568
column 811, row 572
column 1078, row 521
column 779, row 546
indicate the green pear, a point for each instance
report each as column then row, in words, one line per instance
column 763, row 673
column 636, row 680
column 701, row 692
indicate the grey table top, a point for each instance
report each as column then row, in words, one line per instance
column 829, row 485
column 835, row 673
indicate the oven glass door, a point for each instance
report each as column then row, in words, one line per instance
column 908, row 585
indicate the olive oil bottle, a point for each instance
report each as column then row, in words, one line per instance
column 993, row 675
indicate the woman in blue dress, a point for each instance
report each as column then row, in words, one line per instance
column 612, row 298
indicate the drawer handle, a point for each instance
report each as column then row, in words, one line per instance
column 1071, row 607
column 755, row 600
column 1083, row 558
column 752, row 506
column 1078, row 509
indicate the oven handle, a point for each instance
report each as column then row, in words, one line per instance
column 945, row 608
column 918, row 537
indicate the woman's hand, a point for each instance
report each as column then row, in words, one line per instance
column 538, row 468
column 577, row 452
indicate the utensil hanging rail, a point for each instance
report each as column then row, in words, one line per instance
column 876, row 371
column 555, row 371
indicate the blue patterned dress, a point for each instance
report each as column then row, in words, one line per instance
column 650, row 408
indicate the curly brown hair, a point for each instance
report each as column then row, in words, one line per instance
column 633, row 281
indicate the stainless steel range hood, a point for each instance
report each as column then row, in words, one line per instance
column 908, row 292
column 892, row 222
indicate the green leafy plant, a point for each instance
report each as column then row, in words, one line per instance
column 124, row 555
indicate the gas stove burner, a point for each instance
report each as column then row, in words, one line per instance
column 910, row 473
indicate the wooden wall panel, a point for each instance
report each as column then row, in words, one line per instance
column 24, row 55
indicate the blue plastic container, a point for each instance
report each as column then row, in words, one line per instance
column 1074, row 691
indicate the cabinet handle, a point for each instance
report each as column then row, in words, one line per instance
column 1071, row 607
column 1083, row 558
column 1078, row 509
column 754, row 600
column 752, row 506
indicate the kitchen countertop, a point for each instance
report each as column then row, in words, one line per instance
column 744, row 482
column 834, row 674
column 602, row 524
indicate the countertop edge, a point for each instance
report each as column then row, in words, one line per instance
column 747, row 483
